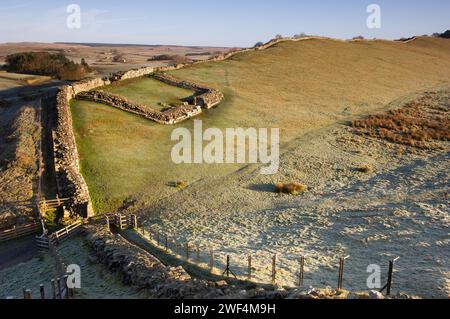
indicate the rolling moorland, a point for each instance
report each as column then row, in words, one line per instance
column 312, row 90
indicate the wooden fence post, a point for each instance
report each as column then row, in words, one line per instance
column 388, row 286
column 157, row 238
column 119, row 217
column 24, row 291
column 108, row 227
column 341, row 272
column 249, row 269
column 66, row 296
column 389, row 283
column 301, row 275
column 166, row 243
column 177, row 247
column 28, row 294
column 227, row 270
column 41, row 289
column 58, row 283
column 198, row 253
column 53, row 288
column 274, row 271
column 133, row 221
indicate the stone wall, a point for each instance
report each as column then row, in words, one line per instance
column 205, row 97
column 69, row 180
column 169, row 116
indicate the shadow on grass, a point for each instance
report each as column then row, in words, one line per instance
column 264, row 188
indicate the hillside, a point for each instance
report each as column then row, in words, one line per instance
column 297, row 86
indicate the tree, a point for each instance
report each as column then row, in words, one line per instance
column 259, row 44
column 301, row 35
column 278, row 37
column 446, row 34
column 44, row 63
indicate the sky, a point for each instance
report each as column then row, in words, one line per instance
column 230, row 23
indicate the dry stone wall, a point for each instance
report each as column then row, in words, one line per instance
column 205, row 97
column 169, row 116
column 69, row 180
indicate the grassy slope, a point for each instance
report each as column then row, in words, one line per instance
column 298, row 86
column 148, row 91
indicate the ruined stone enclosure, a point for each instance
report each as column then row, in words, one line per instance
column 201, row 98
column 70, row 181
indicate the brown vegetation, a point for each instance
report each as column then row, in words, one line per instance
column 291, row 188
column 19, row 133
column 416, row 124
column 366, row 168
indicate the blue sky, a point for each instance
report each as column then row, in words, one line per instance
column 215, row 23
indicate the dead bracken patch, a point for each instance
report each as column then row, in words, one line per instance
column 416, row 124
column 366, row 168
column 291, row 188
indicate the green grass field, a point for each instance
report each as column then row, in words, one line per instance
column 297, row 87
column 122, row 155
column 148, row 91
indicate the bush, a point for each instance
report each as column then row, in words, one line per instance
column 366, row 168
column 445, row 35
column 301, row 35
column 259, row 44
column 174, row 59
column 291, row 188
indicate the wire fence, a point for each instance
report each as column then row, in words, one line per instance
column 263, row 268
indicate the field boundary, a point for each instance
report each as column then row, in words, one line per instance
column 20, row 231
column 206, row 266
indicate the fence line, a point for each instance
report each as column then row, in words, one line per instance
column 45, row 241
column 20, row 231
column 184, row 250
column 59, row 290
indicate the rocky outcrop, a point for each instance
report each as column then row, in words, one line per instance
column 169, row 116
